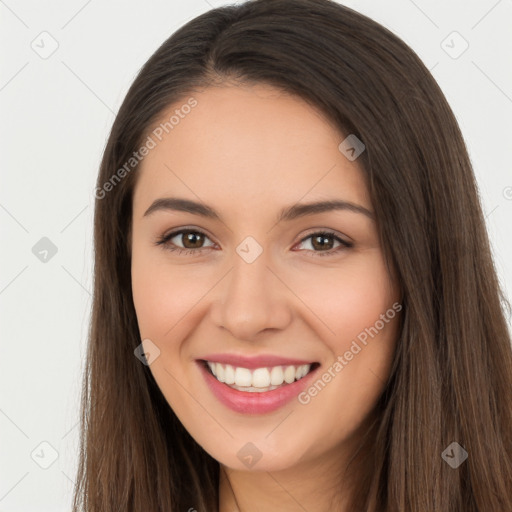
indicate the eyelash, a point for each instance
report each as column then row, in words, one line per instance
column 164, row 241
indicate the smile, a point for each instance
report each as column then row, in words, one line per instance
column 257, row 380
column 256, row 385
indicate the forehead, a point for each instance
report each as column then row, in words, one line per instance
column 240, row 144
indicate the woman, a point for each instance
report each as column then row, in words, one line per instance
column 295, row 305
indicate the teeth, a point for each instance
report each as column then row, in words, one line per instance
column 259, row 379
column 276, row 376
column 243, row 376
column 220, row 373
column 229, row 374
column 289, row 374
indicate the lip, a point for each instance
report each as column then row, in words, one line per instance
column 253, row 362
column 255, row 403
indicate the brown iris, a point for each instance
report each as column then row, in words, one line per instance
column 195, row 239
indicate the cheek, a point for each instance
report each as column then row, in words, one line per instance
column 164, row 294
column 360, row 305
column 349, row 298
column 167, row 303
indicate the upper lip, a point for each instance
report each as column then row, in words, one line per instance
column 260, row 361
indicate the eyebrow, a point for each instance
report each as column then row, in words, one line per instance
column 287, row 214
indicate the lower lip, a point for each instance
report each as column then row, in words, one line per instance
column 256, row 402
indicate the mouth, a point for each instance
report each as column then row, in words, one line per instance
column 258, row 380
column 256, row 385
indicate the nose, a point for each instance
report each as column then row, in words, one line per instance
column 251, row 299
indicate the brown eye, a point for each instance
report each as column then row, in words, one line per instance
column 322, row 243
column 192, row 239
column 185, row 239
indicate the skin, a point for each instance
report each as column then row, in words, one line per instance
column 249, row 151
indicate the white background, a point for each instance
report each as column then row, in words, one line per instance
column 56, row 114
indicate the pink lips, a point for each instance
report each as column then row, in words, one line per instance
column 254, row 403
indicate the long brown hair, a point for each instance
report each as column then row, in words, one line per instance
column 451, row 378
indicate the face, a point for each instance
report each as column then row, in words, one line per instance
column 290, row 306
